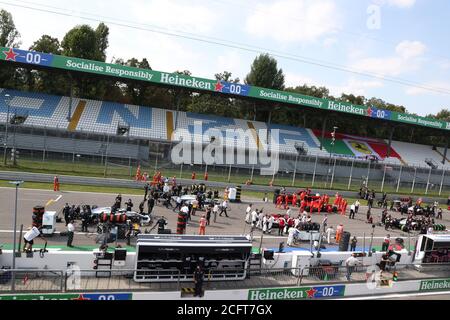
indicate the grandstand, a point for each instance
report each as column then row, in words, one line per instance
column 97, row 117
column 100, row 130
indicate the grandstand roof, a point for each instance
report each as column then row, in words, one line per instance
column 32, row 59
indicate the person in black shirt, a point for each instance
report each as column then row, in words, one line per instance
column 141, row 207
column 66, row 212
column 150, row 204
column 72, row 212
column 129, row 204
column 84, row 220
column 118, row 201
column 198, row 281
column 208, row 214
column 162, row 222
column 146, row 186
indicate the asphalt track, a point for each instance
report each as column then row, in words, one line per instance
column 111, row 182
column 232, row 225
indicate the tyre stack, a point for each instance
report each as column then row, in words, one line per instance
column 113, row 218
column 38, row 214
column 345, row 241
column 439, row 227
column 238, row 193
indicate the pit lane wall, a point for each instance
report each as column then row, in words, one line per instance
column 287, row 293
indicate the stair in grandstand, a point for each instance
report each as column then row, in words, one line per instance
column 301, row 148
column 431, row 163
column 441, row 154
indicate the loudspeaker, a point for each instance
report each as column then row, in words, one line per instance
column 344, row 242
column 268, row 254
column 120, row 254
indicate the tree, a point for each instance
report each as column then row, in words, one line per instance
column 443, row 115
column 102, row 33
column 86, row 43
column 216, row 104
column 47, row 44
column 264, row 73
column 81, row 42
column 9, row 35
column 47, row 81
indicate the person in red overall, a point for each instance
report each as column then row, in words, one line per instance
column 193, row 176
column 302, row 195
column 294, row 200
column 285, row 202
column 138, row 173
column 202, row 225
column 281, row 224
column 56, row 183
column 302, row 206
column 320, row 205
column 326, row 199
column 279, row 201
column 343, row 207
column 206, row 176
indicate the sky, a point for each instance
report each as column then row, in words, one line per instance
column 396, row 50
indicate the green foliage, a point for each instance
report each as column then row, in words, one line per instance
column 9, row 35
column 81, row 42
column 264, row 73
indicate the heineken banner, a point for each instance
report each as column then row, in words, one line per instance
column 435, row 285
column 297, row 293
column 69, row 296
column 194, row 83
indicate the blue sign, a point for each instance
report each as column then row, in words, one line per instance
column 232, row 88
column 28, row 57
column 379, row 113
column 107, row 296
column 328, row 291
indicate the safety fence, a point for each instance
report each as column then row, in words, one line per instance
column 122, row 280
column 118, row 157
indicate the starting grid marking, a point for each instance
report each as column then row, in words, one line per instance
column 56, row 232
column 51, row 201
column 265, row 237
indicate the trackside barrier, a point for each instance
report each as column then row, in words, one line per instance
column 122, row 280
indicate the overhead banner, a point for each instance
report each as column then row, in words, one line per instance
column 297, row 293
column 69, row 296
column 194, row 83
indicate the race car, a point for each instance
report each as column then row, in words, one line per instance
column 127, row 215
column 191, row 198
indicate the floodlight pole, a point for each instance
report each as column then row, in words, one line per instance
column 371, row 241
column 295, row 169
column 5, row 143
column 106, row 157
column 333, row 139
column 13, row 285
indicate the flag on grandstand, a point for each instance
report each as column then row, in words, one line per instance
column 361, row 149
column 354, row 146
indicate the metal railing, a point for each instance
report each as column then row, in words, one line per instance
column 31, row 280
column 122, row 280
